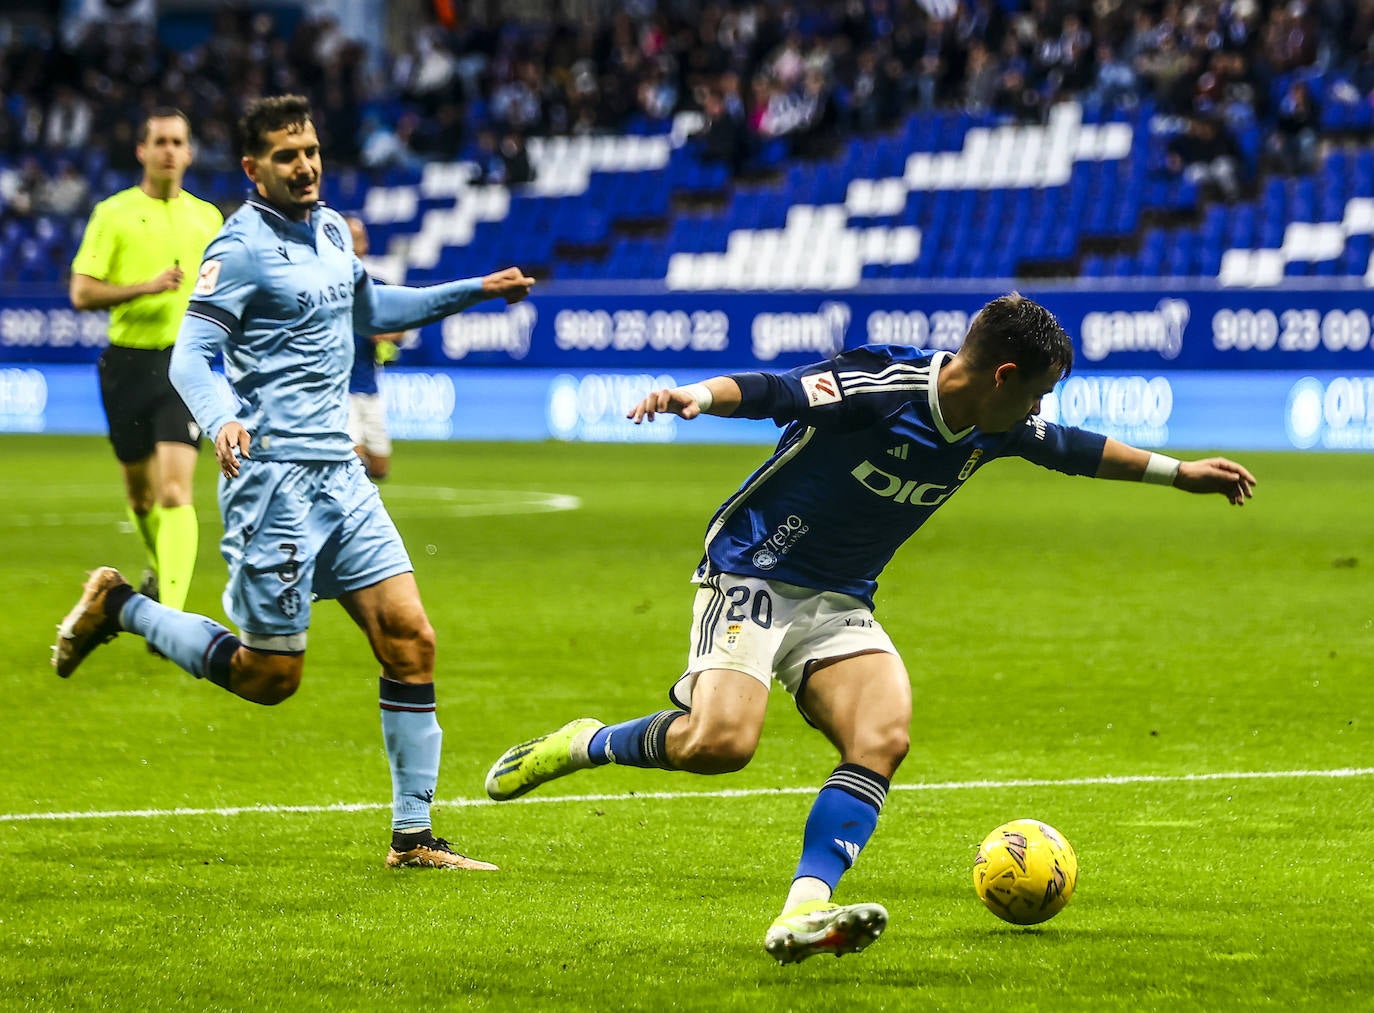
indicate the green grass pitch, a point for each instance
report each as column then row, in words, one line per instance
column 1142, row 657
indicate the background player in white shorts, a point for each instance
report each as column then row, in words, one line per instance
column 877, row 439
column 366, row 406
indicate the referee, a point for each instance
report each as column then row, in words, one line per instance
column 131, row 262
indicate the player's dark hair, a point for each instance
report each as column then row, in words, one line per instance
column 264, row 115
column 162, row 113
column 1015, row 329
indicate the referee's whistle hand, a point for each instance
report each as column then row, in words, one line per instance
column 231, row 444
column 167, row 281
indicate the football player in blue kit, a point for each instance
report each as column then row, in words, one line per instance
column 280, row 293
column 877, row 439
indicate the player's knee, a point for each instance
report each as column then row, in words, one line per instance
column 267, row 681
column 407, row 652
column 884, row 748
column 895, row 744
column 173, row 493
column 422, row 647
column 269, row 689
column 718, row 750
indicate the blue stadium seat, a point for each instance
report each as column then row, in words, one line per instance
column 1121, row 265
column 1240, row 228
column 1363, row 172
column 1152, row 252
column 1355, row 259
column 1065, row 242
column 1302, row 202
column 1182, row 259
column 890, row 158
column 1214, row 222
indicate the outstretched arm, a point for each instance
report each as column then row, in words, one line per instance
column 387, row 308
column 1214, row 474
column 719, row 395
column 834, row 393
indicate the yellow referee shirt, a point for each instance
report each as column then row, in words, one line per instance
column 132, row 238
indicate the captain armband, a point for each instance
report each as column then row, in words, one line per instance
column 1161, row 469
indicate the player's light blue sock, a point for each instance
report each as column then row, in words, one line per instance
column 199, row 645
column 842, row 820
column 413, row 742
column 642, row 742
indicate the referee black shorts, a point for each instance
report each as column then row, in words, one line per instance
column 141, row 405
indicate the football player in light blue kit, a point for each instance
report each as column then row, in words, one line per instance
column 877, row 439
column 280, row 294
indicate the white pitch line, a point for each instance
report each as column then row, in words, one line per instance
column 402, row 501
column 470, row 803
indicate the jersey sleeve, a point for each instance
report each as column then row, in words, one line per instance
column 847, row 392
column 95, row 256
column 385, row 309
column 189, row 371
column 1061, row 448
column 227, row 280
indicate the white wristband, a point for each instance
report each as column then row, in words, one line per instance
column 701, row 393
column 1161, row 469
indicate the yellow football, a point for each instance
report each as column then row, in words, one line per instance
column 1025, row 872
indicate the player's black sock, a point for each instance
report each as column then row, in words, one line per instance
column 115, row 599
column 404, row 840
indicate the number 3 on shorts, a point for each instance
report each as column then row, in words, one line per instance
column 289, row 570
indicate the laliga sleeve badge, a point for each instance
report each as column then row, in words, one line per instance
column 821, row 389
column 209, row 277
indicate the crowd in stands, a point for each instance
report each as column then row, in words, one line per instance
column 799, row 72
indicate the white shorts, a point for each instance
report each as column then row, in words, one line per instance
column 771, row 630
column 367, row 424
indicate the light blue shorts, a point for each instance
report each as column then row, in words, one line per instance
column 295, row 531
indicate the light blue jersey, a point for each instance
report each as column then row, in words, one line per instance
column 282, row 299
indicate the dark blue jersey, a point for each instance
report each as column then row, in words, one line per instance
column 865, row 459
column 363, row 378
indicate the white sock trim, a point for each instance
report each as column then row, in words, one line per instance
column 806, row 888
